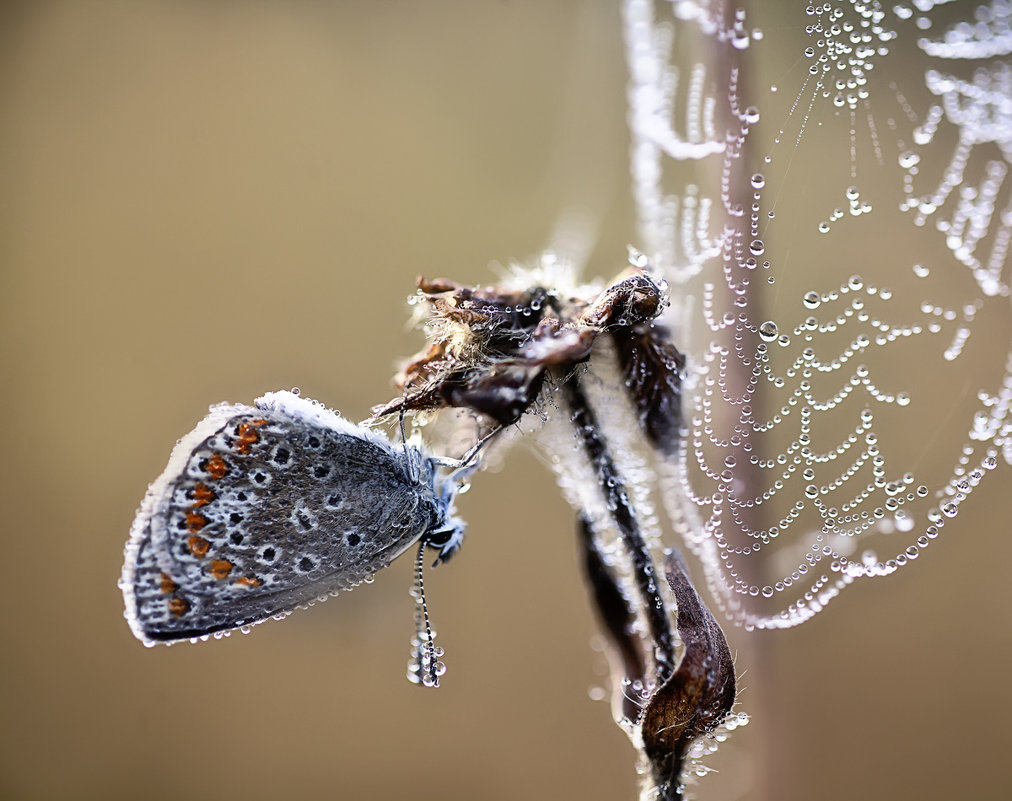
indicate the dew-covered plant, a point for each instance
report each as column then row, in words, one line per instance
column 824, row 219
column 548, row 355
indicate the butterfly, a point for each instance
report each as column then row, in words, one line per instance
column 264, row 509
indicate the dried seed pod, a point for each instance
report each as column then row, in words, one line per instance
column 490, row 348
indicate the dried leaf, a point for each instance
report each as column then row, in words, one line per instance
column 700, row 693
column 617, row 619
column 633, row 297
column 652, row 369
column 504, row 392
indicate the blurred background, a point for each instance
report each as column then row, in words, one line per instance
column 202, row 201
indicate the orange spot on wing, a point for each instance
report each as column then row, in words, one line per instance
column 216, row 467
column 178, row 607
column 195, row 521
column 199, row 546
column 202, row 495
column 167, row 585
column 249, row 581
column 220, row 568
column 247, row 436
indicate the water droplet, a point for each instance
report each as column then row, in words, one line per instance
column 768, row 331
column 908, row 159
column 638, row 259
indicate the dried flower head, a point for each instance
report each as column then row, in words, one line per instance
column 494, row 350
column 490, row 348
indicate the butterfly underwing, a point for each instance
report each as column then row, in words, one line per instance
column 263, row 509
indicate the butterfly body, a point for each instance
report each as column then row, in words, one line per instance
column 266, row 508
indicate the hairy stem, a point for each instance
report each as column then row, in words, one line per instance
column 618, row 504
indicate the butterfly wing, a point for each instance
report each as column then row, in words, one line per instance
column 262, row 509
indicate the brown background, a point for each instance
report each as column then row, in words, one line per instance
column 203, row 201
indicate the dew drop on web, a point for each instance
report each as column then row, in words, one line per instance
column 812, row 455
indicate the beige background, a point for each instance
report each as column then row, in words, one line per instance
column 203, row 201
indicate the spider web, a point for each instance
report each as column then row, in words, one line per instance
column 826, row 190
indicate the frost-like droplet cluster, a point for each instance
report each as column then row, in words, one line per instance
column 837, row 263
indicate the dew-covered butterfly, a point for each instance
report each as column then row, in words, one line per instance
column 263, row 509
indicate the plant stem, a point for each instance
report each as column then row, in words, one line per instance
column 624, row 517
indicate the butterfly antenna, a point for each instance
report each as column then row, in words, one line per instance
column 412, row 466
column 469, row 461
column 423, row 667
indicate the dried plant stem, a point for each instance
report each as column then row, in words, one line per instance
column 624, row 518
